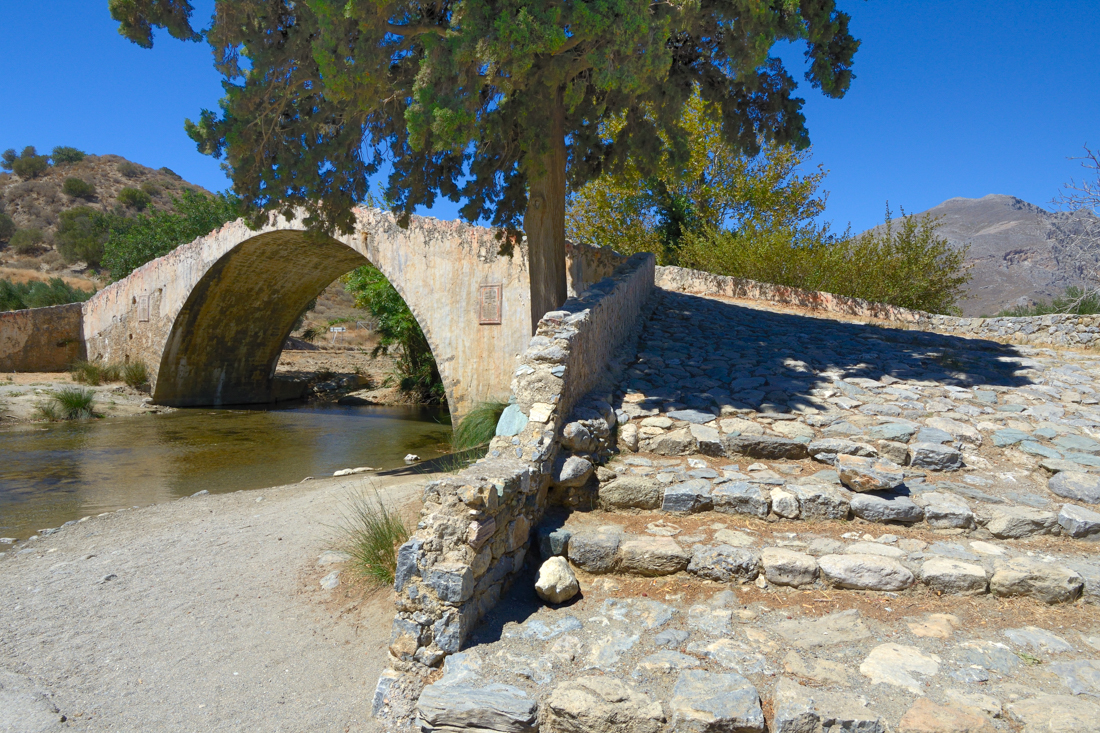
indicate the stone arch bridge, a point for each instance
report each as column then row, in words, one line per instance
column 210, row 318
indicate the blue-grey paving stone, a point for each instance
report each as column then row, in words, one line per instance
column 1010, row 408
column 1084, row 459
column 952, row 550
column 671, row 637
column 898, row 432
column 988, row 398
column 1047, row 433
column 512, row 421
column 1077, row 444
column 689, row 496
column 696, row 417
column 1076, row 485
column 553, row 541
column 706, row 701
column 1038, row 449
column 1009, row 437
column 934, row 435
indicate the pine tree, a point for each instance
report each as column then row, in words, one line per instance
column 497, row 103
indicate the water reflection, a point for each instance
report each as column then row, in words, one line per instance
column 49, row 475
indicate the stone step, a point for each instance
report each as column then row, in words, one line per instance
column 766, row 494
column 706, row 548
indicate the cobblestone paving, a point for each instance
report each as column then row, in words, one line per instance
column 812, row 526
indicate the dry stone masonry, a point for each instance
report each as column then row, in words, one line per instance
column 784, row 523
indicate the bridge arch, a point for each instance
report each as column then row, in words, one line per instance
column 210, row 318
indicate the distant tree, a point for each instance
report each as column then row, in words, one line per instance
column 29, row 164
column 25, row 241
column 399, row 333
column 7, row 227
column 8, row 158
column 1080, row 231
column 134, row 241
column 497, row 103
column 133, row 198
column 63, row 155
column 128, row 169
column 37, row 294
column 82, row 233
column 78, row 188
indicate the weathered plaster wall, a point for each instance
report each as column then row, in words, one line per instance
column 585, row 265
column 475, row 527
column 41, row 339
column 1082, row 332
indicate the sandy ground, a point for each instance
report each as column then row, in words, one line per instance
column 204, row 614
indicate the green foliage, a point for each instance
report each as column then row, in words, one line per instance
column 479, row 426
column 128, row 169
column 133, row 242
column 82, row 233
column 904, row 264
column 78, row 188
column 7, row 227
column 63, row 154
column 150, row 188
column 133, row 198
column 371, row 533
column 1076, row 301
column 25, row 241
column 70, row 403
column 469, row 100
column 8, row 158
column 29, row 164
column 136, row 374
column 37, row 294
column 398, row 331
column 95, row 373
column 716, row 187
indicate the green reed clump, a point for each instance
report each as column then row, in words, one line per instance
column 479, row 426
column 70, row 403
column 136, row 374
column 370, row 533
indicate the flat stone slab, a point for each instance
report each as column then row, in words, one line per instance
column 865, row 572
column 1076, row 485
column 706, row 702
column 494, row 707
column 836, row 628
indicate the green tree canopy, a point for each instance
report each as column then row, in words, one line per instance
column 497, row 102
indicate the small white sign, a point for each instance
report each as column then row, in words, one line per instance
column 336, row 329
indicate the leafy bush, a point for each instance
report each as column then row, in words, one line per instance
column 133, row 198
column 82, row 233
column 26, row 241
column 398, row 331
column 78, row 188
column 36, row 294
column 63, row 154
column 1076, row 301
column 150, row 188
column 754, row 217
column 7, row 159
column 133, row 242
column 479, row 426
column 70, row 403
column 907, row 265
column 7, row 227
column 29, row 164
column 128, row 169
column 371, row 533
column 169, row 172
column 95, row 373
column 136, row 374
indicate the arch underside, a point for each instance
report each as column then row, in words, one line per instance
column 226, row 341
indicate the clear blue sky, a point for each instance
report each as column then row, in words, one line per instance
column 952, row 98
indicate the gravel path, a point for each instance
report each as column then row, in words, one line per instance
column 201, row 614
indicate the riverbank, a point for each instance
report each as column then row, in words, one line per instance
column 205, row 613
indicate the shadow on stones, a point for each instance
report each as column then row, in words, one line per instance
column 518, row 605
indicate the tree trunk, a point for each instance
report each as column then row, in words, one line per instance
column 544, row 220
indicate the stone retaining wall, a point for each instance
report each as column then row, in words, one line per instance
column 475, row 527
column 41, row 339
column 585, row 265
column 1053, row 330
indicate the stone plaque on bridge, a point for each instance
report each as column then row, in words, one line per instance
column 143, row 308
column 488, row 305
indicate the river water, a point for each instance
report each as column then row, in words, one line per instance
column 64, row 471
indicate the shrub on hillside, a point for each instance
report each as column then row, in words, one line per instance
column 64, row 155
column 150, row 188
column 7, row 159
column 128, row 169
column 78, row 188
column 29, row 164
column 133, row 242
column 37, row 294
column 81, row 235
column 7, row 227
column 1076, row 301
column 26, row 241
column 169, row 172
column 133, row 198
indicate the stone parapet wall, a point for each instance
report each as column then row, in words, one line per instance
column 41, row 339
column 585, row 265
column 1052, row 330
column 475, row 527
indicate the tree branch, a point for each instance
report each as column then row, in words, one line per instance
column 415, row 30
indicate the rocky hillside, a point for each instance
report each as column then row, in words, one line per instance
column 37, row 203
column 1019, row 252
